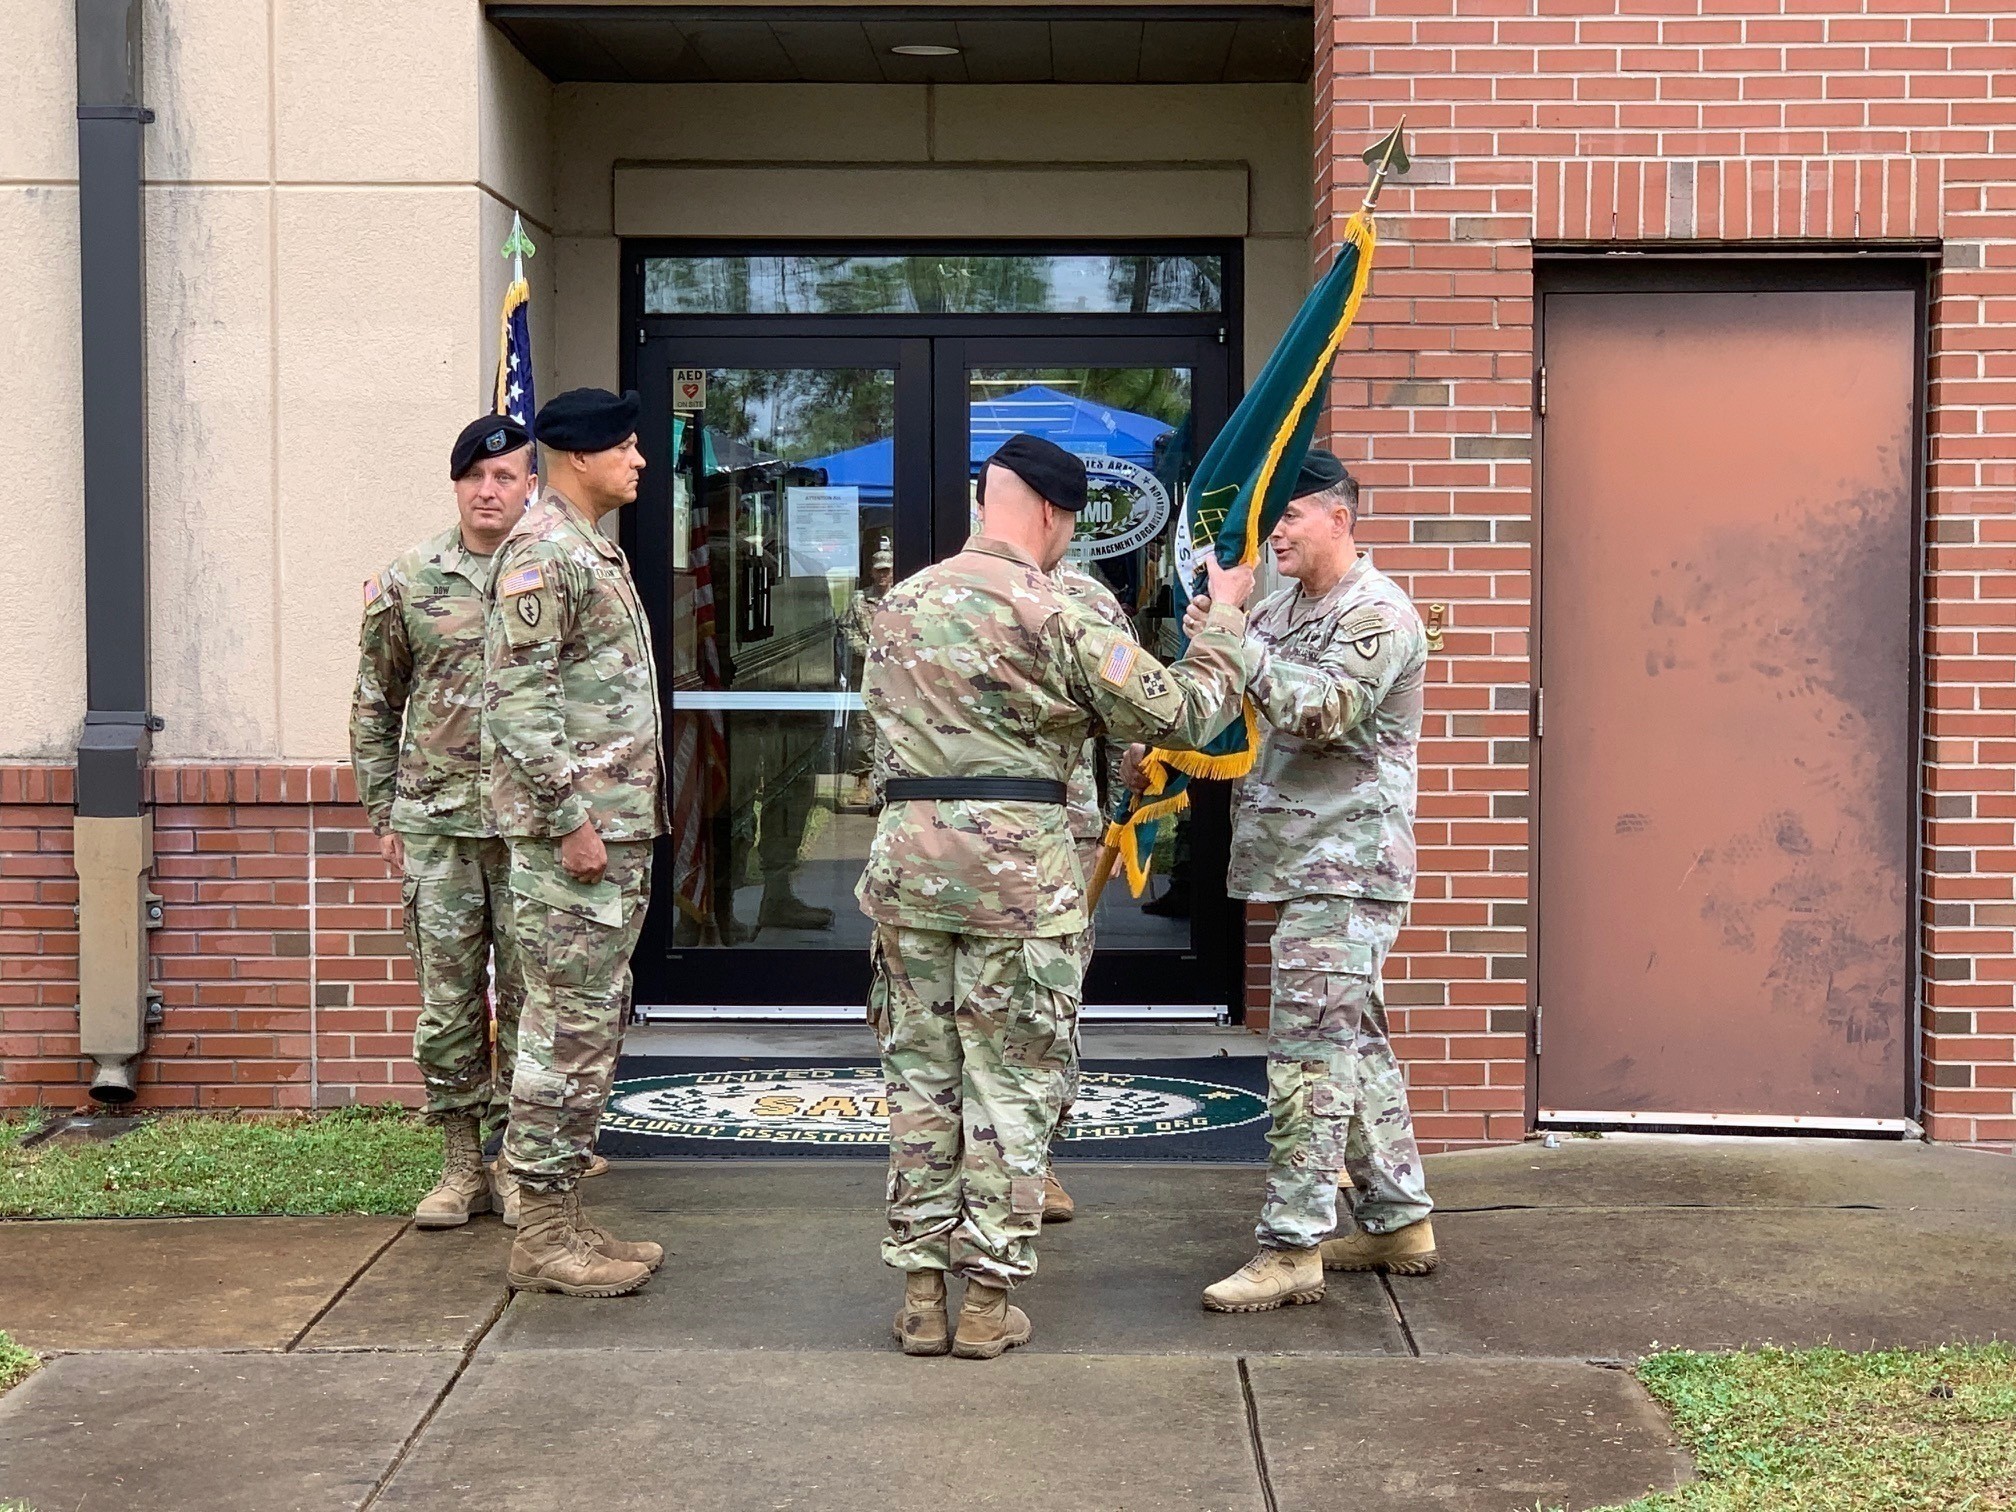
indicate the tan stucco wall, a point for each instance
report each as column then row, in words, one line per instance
column 323, row 293
column 626, row 156
column 322, row 308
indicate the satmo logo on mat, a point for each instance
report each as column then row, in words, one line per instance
column 847, row 1105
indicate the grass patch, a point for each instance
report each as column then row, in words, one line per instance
column 12, row 1131
column 1823, row 1430
column 16, row 1365
column 356, row 1160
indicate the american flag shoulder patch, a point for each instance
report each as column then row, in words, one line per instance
column 371, row 590
column 1119, row 663
column 528, row 579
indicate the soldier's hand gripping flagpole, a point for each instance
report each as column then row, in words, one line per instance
column 1238, row 491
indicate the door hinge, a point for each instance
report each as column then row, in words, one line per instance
column 1539, row 711
column 1540, row 389
column 1221, row 335
column 1537, row 1012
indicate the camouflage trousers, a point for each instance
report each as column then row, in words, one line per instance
column 457, row 907
column 1088, row 861
column 1334, row 1088
column 576, row 939
column 979, row 1049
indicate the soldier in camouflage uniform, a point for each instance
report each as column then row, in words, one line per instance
column 985, row 682
column 1323, row 828
column 415, row 742
column 854, row 622
column 571, row 727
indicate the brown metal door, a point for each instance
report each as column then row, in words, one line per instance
column 1727, row 661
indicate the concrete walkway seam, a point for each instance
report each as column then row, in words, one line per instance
column 434, row 1407
column 1253, row 1437
column 342, row 1291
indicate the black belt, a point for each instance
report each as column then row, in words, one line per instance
column 987, row 789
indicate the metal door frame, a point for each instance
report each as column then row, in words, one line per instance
column 929, row 353
column 1593, row 268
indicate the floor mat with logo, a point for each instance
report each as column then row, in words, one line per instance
column 792, row 1107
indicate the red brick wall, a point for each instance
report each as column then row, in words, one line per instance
column 1668, row 121
column 280, row 960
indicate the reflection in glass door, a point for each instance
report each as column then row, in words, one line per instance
column 782, row 495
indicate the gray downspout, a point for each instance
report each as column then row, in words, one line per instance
column 114, row 829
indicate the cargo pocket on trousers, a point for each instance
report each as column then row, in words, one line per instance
column 536, row 1084
column 573, row 924
column 1043, row 1032
column 878, row 990
column 1330, row 1104
column 409, row 899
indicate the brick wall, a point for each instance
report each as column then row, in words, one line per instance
column 280, row 960
column 1668, row 121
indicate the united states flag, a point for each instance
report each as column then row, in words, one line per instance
column 514, row 358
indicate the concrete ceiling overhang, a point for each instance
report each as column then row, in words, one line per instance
column 1184, row 42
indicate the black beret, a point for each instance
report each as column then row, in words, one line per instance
column 587, row 420
column 1320, row 471
column 491, row 436
column 1045, row 466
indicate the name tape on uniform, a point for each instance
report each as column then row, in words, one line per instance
column 524, row 580
column 1119, row 663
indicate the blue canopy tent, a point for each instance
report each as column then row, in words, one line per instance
column 1077, row 425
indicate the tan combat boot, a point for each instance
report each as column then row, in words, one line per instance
column 921, row 1326
column 462, row 1191
column 606, row 1244
column 1408, row 1251
column 1273, row 1278
column 504, row 1193
column 549, row 1256
column 988, row 1326
column 1057, row 1204
column 598, row 1165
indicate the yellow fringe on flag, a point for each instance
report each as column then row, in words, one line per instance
column 519, row 293
column 1362, row 234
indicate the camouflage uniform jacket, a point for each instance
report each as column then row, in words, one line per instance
column 571, row 714
column 416, row 717
column 1328, row 808
column 981, row 666
column 858, row 615
column 1088, row 820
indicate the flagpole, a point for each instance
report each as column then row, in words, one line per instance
column 1387, row 156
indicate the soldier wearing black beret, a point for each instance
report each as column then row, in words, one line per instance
column 577, row 789
column 416, row 745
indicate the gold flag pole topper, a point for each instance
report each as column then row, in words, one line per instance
column 1246, row 472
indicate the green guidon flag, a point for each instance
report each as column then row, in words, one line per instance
column 1237, row 494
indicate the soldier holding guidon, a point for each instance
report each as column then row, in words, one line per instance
column 1323, row 828
column 985, row 680
column 577, row 787
column 416, row 746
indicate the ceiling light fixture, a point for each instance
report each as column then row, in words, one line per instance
column 924, row 50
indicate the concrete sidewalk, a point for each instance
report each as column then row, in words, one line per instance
column 355, row 1363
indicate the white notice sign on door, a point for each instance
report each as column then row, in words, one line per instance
column 823, row 531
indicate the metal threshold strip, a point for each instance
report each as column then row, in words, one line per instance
column 1758, row 1123
column 848, row 1013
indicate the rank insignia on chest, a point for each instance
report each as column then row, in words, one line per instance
column 528, row 579
column 1119, row 662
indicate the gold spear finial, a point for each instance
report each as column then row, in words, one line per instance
column 1387, row 155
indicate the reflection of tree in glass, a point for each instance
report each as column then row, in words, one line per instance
column 927, row 284
column 1159, row 393
column 1146, row 282
column 792, row 414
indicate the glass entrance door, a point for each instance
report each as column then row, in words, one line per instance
column 791, row 478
